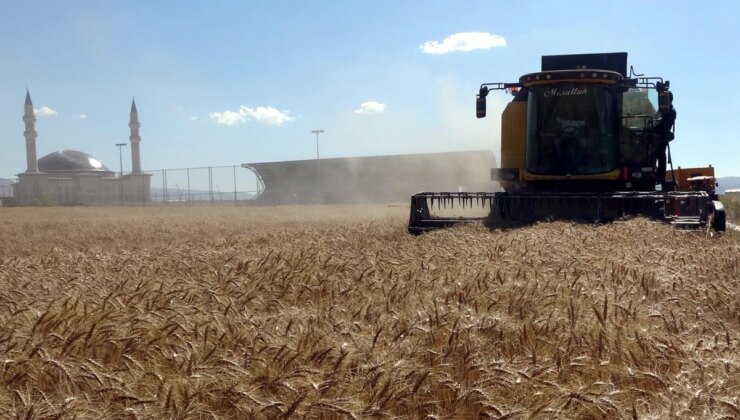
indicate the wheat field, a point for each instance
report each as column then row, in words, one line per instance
column 336, row 312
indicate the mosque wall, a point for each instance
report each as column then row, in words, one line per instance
column 82, row 189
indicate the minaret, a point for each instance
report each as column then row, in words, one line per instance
column 30, row 119
column 135, row 139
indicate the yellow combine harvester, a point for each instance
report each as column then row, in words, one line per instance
column 582, row 140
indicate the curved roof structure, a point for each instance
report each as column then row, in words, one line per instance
column 373, row 178
column 72, row 161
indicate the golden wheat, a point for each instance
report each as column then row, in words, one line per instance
column 336, row 312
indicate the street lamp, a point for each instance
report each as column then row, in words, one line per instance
column 120, row 174
column 317, row 132
column 318, row 164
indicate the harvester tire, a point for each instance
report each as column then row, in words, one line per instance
column 719, row 222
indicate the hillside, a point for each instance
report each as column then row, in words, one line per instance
column 728, row 183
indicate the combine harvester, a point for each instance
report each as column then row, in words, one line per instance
column 581, row 140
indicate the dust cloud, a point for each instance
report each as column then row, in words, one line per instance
column 456, row 153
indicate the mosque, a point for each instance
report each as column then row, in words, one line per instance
column 71, row 177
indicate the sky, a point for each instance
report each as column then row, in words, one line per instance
column 229, row 82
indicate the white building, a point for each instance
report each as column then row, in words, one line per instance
column 72, row 177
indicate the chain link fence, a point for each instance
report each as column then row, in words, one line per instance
column 204, row 184
column 210, row 184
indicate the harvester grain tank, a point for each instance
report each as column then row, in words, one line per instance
column 584, row 140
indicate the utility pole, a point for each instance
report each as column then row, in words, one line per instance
column 120, row 174
column 317, row 132
column 318, row 164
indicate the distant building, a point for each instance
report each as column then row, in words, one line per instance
column 72, row 177
column 6, row 191
column 5, row 187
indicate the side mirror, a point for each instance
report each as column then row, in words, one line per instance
column 480, row 102
column 480, row 107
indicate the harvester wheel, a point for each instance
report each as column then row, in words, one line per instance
column 718, row 217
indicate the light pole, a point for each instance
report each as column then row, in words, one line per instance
column 318, row 164
column 120, row 174
column 317, row 132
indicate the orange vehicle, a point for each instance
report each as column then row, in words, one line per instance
column 582, row 139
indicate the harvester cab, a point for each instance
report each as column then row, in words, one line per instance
column 582, row 139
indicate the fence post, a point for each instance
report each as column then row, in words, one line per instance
column 190, row 200
column 146, row 192
column 164, row 186
column 235, row 200
column 210, row 183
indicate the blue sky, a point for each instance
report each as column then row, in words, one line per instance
column 221, row 83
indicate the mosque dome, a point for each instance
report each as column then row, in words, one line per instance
column 72, row 161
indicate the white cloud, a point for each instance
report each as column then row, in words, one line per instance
column 83, row 116
column 464, row 41
column 44, row 111
column 193, row 118
column 264, row 114
column 371, row 107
